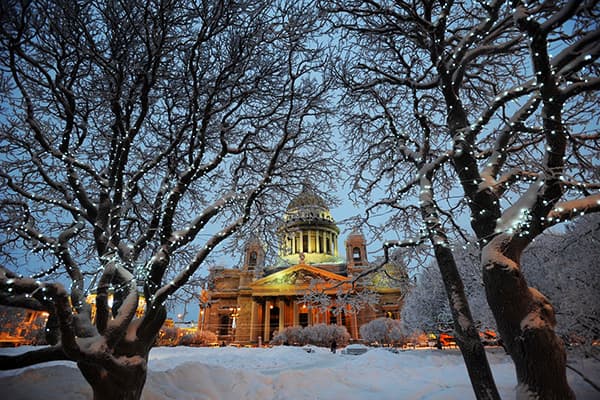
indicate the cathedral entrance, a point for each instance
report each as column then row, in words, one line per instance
column 224, row 325
column 303, row 319
column 273, row 321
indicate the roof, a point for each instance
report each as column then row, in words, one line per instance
column 297, row 279
column 307, row 198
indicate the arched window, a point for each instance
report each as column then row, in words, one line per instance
column 356, row 254
column 253, row 259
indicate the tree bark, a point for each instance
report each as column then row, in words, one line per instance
column 467, row 336
column 111, row 385
column 526, row 322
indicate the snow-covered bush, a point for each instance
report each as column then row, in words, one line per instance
column 291, row 335
column 382, row 330
column 318, row 335
column 323, row 335
column 167, row 337
column 178, row 337
column 198, row 339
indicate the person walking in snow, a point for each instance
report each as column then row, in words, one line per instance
column 333, row 346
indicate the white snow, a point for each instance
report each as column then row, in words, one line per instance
column 518, row 215
column 289, row 373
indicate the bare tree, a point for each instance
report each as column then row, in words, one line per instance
column 426, row 307
column 496, row 99
column 136, row 137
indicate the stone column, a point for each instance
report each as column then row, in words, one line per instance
column 267, row 330
column 281, row 305
column 298, row 248
column 317, row 236
column 295, row 321
column 253, row 313
column 334, row 244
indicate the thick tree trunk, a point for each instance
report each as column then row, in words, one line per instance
column 526, row 321
column 107, row 385
column 467, row 335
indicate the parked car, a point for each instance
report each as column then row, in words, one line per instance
column 355, row 349
column 447, row 340
column 489, row 338
column 309, row 348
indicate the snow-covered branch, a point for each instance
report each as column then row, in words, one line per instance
column 571, row 209
column 32, row 357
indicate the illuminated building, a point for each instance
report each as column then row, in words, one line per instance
column 247, row 305
column 21, row 326
column 91, row 299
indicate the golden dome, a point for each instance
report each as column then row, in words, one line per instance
column 308, row 231
column 307, row 199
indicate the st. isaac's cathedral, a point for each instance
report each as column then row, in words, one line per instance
column 247, row 305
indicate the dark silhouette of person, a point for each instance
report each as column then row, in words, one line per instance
column 333, row 346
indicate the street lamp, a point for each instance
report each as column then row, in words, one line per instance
column 235, row 313
column 201, row 322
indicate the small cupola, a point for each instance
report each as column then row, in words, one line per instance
column 254, row 254
column 356, row 250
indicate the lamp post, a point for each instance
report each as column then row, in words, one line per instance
column 235, row 313
column 201, row 322
column 204, row 304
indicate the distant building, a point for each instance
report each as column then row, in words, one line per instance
column 248, row 304
column 21, row 326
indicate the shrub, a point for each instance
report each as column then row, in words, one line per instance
column 197, row 339
column 382, row 330
column 318, row 335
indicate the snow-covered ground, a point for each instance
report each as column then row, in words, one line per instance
column 287, row 373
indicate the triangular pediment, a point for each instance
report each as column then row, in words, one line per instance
column 299, row 275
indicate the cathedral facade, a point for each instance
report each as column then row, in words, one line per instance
column 247, row 305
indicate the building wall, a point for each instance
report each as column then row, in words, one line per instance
column 257, row 312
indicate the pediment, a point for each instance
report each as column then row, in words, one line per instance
column 299, row 275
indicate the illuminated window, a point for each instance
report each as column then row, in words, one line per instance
column 253, row 259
